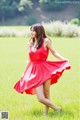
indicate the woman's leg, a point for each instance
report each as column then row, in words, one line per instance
column 42, row 99
column 46, row 88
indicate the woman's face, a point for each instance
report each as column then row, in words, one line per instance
column 33, row 33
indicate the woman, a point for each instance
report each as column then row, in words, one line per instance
column 40, row 73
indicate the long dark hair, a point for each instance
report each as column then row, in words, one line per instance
column 40, row 34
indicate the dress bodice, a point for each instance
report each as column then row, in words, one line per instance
column 40, row 54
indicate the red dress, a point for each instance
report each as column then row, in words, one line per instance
column 40, row 70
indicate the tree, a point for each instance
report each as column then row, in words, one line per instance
column 8, row 8
column 11, row 8
column 25, row 6
column 52, row 4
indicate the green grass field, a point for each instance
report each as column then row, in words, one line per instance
column 66, row 93
column 14, row 27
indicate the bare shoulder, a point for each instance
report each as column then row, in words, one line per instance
column 47, row 41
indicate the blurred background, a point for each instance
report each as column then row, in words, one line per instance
column 28, row 12
column 61, row 19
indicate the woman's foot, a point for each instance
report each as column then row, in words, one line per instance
column 44, row 115
column 58, row 108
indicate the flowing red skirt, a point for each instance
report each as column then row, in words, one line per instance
column 39, row 72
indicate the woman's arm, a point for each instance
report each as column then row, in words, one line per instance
column 55, row 53
column 27, row 66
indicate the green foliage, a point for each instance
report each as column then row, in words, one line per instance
column 8, row 9
column 11, row 8
column 75, row 21
column 31, row 20
column 25, row 6
column 52, row 4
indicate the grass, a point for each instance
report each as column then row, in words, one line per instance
column 14, row 27
column 66, row 93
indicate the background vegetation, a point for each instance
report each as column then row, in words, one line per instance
column 10, row 9
column 53, row 28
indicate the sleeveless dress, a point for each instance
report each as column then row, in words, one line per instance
column 40, row 70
